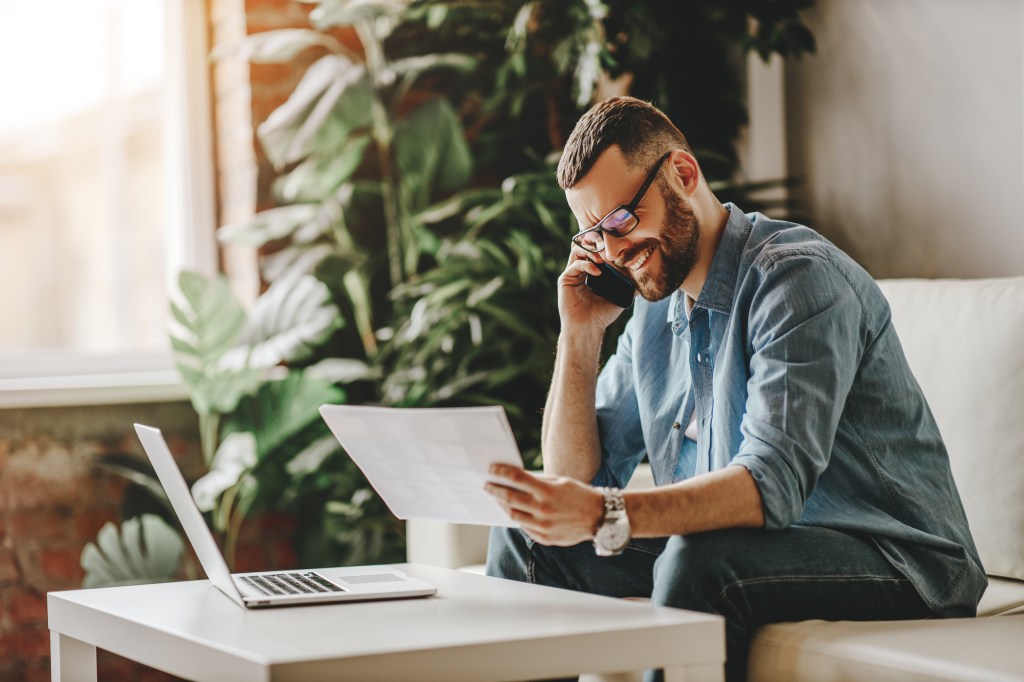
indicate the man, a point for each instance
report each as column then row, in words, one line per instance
column 800, row 472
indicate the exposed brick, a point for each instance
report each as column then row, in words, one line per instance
column 8, row 567
column 249, row 558
column 36, row 671
column 61, row 564
column 22, row 670
column 25, row 643
column 25, row 608
column 285, row 556
column 89, row 522
column 41, row 525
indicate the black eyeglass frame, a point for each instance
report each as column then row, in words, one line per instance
column 630, row 208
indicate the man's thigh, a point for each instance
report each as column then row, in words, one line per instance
column 753, row 577
column 514, row 555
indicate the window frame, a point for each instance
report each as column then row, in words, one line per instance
column 68, row 378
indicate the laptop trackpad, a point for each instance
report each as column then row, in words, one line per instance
column 371, row 578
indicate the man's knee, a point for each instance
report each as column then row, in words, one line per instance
column 693, row 570
column 508, row 554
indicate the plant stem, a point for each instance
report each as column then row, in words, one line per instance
column 383, row 135
column 209, row 425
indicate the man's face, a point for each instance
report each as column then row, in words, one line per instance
column 669, row 256
column 659, row 254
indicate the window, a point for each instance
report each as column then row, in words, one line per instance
column 105, row 193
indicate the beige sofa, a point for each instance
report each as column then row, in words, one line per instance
column 965, row 342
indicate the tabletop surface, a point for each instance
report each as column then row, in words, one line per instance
column 468, row 610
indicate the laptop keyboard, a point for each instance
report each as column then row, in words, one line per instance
column 273, row 584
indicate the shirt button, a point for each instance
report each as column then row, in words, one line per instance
column 698, row 358
column 676, row 425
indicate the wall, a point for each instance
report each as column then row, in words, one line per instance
column 908, row 130
column 54, row 499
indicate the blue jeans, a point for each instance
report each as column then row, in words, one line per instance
column 749, row 577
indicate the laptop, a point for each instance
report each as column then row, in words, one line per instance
column 270, row 588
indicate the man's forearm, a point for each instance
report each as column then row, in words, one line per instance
column 727, row 498
column 569, row 436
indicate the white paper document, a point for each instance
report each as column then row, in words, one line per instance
column 429, row 463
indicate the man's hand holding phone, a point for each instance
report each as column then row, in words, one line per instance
column 579, row 303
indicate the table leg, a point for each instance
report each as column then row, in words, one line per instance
column 696, row 673
column 71, row 660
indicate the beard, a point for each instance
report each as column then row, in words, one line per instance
column 677, row 247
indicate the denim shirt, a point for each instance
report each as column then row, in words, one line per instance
column 790, row 360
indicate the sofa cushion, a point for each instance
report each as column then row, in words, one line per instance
column 1002, row 596
column 967, row 649
column 964, row 340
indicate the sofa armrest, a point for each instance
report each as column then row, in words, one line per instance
column 451, row 545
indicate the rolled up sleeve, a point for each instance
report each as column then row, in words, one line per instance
column 618, row 416
column 805, row 335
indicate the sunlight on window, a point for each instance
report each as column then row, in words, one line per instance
column 83, row 176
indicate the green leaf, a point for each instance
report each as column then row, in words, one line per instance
column 410, row 68
column 268, row 225
column 295, row 261
column 357, row 286
column 484, row 292
column 309, row 460
column 277, row 46
column 319, row 176
column 333, row 90
column 436, row 16
column 282, row 409
column 286, row 323
column 146, row 550
column 208, row 322
column 235, row 456
column 334, row 13
column 431, row 151
column 342, row 370
column 138, row 471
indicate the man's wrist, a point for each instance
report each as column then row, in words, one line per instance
column 613, row 533
column 583, row 338
column 598, row 515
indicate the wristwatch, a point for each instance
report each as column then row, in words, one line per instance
column 613, row 533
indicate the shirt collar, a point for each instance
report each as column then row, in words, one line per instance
column 720, row 286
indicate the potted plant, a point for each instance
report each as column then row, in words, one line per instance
column 413, row 255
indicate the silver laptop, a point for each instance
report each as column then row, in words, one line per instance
column 271, row 588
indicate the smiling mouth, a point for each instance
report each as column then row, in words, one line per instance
column 635, row 264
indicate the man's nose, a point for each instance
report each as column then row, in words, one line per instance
column 614, row 247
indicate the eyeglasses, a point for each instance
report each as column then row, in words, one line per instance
column 620, row 221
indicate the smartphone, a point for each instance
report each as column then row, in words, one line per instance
column 611, row 285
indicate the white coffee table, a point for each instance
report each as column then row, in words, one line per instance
column 476, row 628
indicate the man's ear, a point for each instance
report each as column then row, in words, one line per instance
column 685, row 171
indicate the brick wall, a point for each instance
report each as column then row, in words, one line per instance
column 53, row 499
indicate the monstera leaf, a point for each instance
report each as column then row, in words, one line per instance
column 432, row 151
column 145, row 550
column 332, row 99
column 280, row 410
column 277, row 46
column 233, row 459
column 208, row 323
column 286, row 323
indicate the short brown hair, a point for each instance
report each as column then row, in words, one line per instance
column 638, row 128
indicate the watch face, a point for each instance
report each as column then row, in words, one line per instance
column 613, row 537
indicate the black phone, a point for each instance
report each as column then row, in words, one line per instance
column 611, row 285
